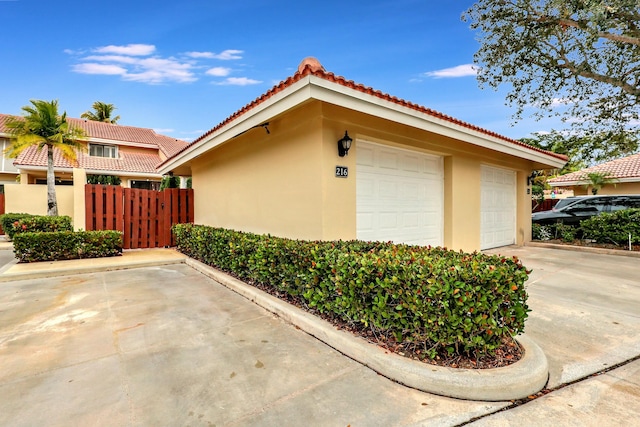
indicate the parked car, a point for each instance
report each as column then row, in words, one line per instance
column 581, row 208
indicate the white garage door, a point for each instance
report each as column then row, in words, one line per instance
column 498, row 207
column 399, row 195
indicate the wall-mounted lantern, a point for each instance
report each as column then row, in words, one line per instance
column 344, row 145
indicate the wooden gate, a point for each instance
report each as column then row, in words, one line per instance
column 144, row 217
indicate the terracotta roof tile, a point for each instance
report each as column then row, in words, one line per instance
column 127, row 162
column 626, row 167
column 120, row 133
column 310, row 66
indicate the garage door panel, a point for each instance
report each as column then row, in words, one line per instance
column 399, row 195
column 498, row 207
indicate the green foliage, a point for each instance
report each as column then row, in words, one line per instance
column 447, row 302
column 25, row 223
column 578, row 59
column 63, row 245
column 101, row 113
column 613, row 227
column 597, row 180
column 189, row 182
column 537, row 192
column 170, row 182
column 103, row 179
column 565, row 232
column 7, row 220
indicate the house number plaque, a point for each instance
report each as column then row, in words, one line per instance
column 342, row 171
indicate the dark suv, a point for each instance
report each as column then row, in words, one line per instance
column 585, row 207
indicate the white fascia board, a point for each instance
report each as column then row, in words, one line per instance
column 288, row 98
column 92, row 171
column 338, row 94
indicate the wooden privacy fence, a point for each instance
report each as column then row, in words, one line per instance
column 145, row 217
column 545, row 205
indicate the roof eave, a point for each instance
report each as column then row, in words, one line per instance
column 314, row 87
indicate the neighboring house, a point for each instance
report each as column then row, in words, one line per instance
column 625, row 172
column 128, row 152
column 412, row 174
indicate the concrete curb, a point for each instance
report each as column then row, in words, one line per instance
column 519, row 380
column 56, row 272
column 587, row 249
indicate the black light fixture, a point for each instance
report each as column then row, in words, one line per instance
column 344, row 144
column 530, row 178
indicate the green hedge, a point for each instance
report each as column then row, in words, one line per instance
column 13, row 224
column 446, row 301
column 63, row 245
column 613, row 227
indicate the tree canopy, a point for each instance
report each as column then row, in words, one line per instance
column 42, row 127
column 101, row 113
column 580, row 55
column 586, row 149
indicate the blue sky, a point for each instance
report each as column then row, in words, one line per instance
column 182, row 67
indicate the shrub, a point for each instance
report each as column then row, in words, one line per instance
column 63, row 245
column 26, row 223
column 565, row 232
column 104, row 179
column 613, row 227
column 444, row 301
column 8, row 219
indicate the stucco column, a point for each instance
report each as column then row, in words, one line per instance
column 79, row 202
column 462, row 203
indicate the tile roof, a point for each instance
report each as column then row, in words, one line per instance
column 626, row 167
column 311, row 67
column 119, row 133
column 127, row 162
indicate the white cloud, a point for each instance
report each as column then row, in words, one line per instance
column 218, row 71
column 457, row 71
column 93, row 68
column 239, row 81
column 140, row 63
column 130, row 49
column 228, row 54
column 163, row 131
column 200, row 54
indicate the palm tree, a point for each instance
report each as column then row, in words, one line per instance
column 42, row 127
column 101, row 113
column 597, row 180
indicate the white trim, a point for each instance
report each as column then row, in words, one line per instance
column 313, row 87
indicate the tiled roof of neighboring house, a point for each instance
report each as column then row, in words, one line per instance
column 119, row 133
column 311, row 66
column 128, row 162
column 624, row 168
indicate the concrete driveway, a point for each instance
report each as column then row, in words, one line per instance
column 168, row 346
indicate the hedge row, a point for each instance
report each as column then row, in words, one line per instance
column 448, row 302
column 63, row 245
column 14, row 223
column 613, row 227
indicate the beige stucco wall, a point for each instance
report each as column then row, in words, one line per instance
column 32, row 199
column 265, row 183
column 284, row 183
column 620, row 188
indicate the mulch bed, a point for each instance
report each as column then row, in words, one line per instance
column 509, row 353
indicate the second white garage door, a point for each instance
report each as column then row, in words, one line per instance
column 498, row 207
column 399, row 195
